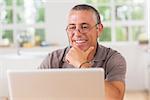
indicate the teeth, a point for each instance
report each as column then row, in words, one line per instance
column 80, row 41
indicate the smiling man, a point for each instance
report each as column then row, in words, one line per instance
column 84, row 28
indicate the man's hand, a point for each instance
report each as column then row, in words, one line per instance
column 76, row 56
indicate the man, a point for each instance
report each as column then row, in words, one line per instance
column 84, row 27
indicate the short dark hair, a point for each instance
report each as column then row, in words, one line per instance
column 88, row 7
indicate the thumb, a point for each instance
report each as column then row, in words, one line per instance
column 89, row 50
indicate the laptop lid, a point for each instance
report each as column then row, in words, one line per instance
column 56, row 84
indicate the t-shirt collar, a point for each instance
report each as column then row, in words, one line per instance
column 97, row 57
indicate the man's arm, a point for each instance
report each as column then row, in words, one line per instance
column 114, row 90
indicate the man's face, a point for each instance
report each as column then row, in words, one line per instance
column 79, row 21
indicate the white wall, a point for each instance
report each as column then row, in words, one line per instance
column 148, row 18
column 56, row 22
column 15, row 63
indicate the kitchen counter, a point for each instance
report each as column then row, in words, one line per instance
column 136, row 57
column 20, row 58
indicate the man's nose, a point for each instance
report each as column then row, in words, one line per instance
column 77, row 32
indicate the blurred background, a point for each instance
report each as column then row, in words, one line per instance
column 30, row 29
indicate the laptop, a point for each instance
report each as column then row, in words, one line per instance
column 56, row 84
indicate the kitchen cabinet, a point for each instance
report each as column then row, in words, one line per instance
column 15, row 63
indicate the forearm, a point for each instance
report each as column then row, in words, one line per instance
column 114, row 91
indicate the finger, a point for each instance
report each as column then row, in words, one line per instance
column 67, row 58
column 68, row 61
column 89, row 50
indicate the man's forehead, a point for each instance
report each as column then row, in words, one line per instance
column 82, row 16
column 84, row 23
column 80, row 12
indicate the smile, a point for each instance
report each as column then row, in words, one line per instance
column 80, row 41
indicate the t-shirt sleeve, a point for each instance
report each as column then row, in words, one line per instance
column 116, row 68
column 50, row 61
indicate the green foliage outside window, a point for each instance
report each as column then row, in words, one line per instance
column 41, row 33
column 96, row 1
column 105, row 35
column 121, row 33
column 21, row 18
column 128, row 1
column 103, row 1
column 8, row 34
column 20, row 2
column 105, row 12
column 123, row 11
column 40, row 15
column 88, row 1
column 39, row 36
column 137, row 13
column 122, row 1
column 8, row 2
column 9, row 16
column 136, row 31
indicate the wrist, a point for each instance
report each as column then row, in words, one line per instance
column 85, row 64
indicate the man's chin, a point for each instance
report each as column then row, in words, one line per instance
column 83, row 48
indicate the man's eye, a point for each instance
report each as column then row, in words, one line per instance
column 71, row 27
column 85, row 27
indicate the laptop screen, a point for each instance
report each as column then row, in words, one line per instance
column 56, row 84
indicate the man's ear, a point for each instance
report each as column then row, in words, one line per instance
column 99, row 29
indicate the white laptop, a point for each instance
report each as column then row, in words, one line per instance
column 56, row 84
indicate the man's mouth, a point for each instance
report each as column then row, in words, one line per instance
column 81, row 42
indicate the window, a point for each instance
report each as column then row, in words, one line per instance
column 22, row 22
column 123, row 20
column 107, row 35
